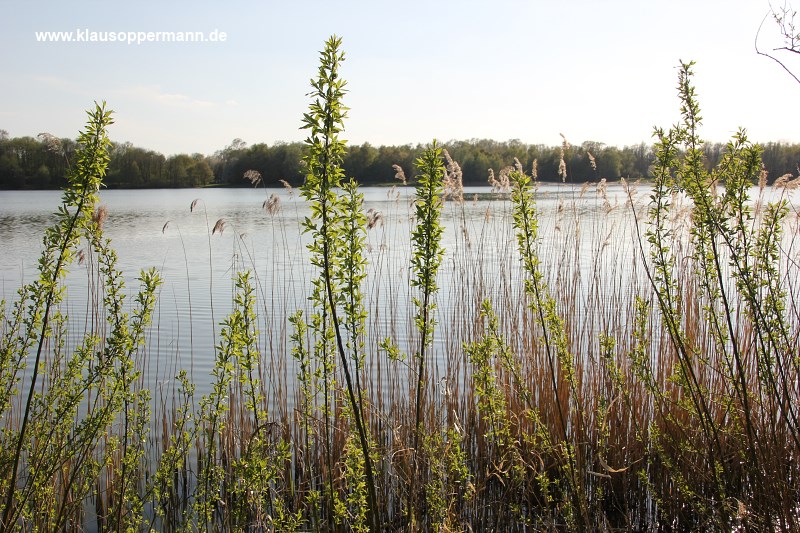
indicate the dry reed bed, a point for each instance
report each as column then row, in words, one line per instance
column 637, row 454
column 595, row 270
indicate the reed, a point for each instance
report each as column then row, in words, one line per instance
column 598, row 357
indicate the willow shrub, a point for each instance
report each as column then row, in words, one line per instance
column 76, row 419
column 731, row 398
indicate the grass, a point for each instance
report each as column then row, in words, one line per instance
column 603, row 358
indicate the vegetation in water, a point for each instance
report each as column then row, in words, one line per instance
column 656, row 390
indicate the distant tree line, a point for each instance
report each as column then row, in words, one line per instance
column 41, row 163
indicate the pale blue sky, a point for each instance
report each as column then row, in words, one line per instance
column 416, row 70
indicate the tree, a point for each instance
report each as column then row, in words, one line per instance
column 177, row 170
column 789, row 34
column 200, row 172
column 609, row 165
column 136, row 175
column 226, row 165
column 11, row 176
column 42, row 177
column 359, row 160
column 476, row 168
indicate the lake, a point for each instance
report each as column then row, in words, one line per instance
column 588, row 246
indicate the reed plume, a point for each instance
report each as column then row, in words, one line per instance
column 399, row 174
column 254, row 177
column 272, row 205
column 287, row 186
column 219, row 226
column 99, row 216
column 453, row 180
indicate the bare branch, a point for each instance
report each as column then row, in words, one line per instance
column 759, row 52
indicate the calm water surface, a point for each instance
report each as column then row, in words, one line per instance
column 155, row 228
